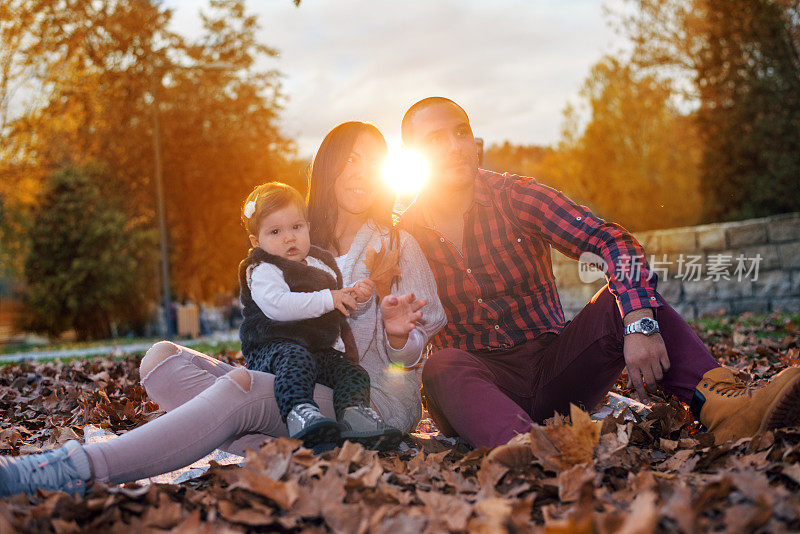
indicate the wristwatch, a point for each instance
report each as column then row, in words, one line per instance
column 645, row 325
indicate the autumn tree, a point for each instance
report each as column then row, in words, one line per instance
column 637, row 157
column 634, row 161
column 17, row 189
column 527, row 160
column 220, row 140
column 108, row 72
column 88, row 263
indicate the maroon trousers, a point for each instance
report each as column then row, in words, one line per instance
column 489, row 397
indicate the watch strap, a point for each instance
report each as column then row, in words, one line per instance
column 636, row 327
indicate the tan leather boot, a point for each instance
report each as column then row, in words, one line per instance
column 731, row 410
column 516, row 453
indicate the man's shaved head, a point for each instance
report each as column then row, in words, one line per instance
column 405, row 125
column 439, row 130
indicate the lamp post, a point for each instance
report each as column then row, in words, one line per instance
column 162, row 219
column 155, row 81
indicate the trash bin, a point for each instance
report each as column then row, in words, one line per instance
column 188, row 320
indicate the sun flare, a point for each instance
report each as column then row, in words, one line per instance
column 406, row 171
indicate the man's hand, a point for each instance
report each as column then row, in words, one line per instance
column 645, row 356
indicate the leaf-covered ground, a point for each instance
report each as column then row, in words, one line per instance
column 659, row 475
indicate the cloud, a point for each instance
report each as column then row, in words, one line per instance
column 512, row 64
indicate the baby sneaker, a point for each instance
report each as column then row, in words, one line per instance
column 306, row 423
column 64, row 469
column 363, row 425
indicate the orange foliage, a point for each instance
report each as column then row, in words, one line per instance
column 105, row 69
column 636, row 162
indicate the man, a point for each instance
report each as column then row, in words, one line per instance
column 507, row 357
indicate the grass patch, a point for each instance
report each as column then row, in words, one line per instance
column 774, row 325
column 209, row 348
column 217, row 347
column 66, row 345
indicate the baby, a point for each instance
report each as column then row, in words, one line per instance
column 294, row 310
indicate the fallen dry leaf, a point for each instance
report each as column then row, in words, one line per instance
column 560, row 445
column 643, row 515
column 659, row 474
column 383, row 267
column 281, row 493
column 454, row 511
column 572, row 481
column 246, row 516
column 165, row 516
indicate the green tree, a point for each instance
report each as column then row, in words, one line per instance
column 737, row 62
column 749, row 82
column 88, row 263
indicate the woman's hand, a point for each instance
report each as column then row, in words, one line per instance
column 362, row 290
column 399, row 317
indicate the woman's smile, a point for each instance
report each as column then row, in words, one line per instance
column 360, row 193
column 355, row 187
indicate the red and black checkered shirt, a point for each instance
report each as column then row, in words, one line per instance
column 499, row 291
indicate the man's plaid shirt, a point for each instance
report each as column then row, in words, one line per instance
column 501, row 292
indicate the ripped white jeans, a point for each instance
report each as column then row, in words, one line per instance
column 206, row 410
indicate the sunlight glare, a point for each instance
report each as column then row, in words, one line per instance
column 406, row 171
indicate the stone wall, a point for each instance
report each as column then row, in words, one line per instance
column 718, row 249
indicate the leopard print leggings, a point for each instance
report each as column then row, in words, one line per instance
column 296, row 370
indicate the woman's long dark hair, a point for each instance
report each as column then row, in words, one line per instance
column 327, row 165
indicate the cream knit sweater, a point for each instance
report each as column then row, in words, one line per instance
column 394, row 389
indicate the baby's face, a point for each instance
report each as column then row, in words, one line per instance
column 284, row 233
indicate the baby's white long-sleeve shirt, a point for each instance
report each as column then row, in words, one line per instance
column 272, row 295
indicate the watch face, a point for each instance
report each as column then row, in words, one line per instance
column 648, row 325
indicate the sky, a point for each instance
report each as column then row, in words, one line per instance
column 513, row 65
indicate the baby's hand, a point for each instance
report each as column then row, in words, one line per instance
column 343, row 299
column 362, row 290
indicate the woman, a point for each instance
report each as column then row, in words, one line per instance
column 213, row 405
column 344, row 169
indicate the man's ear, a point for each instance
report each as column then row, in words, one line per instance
column 253, row 241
